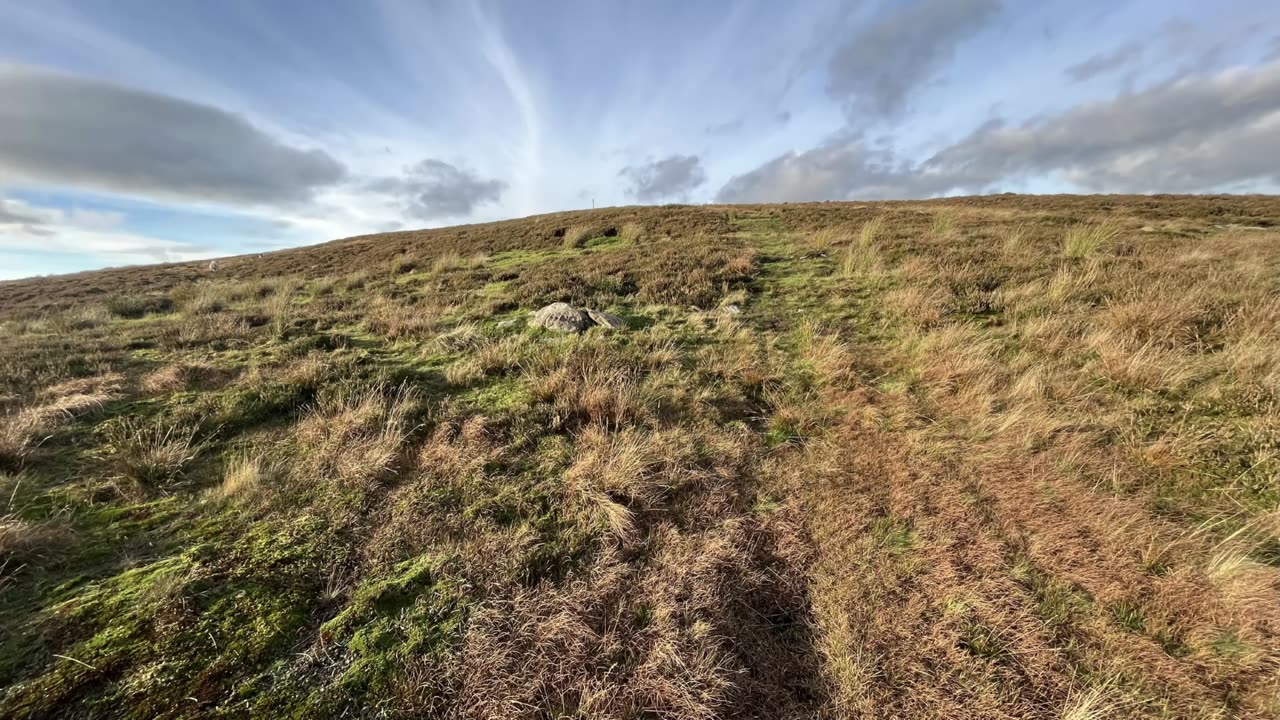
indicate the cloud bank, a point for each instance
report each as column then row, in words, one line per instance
column 671, row 178
column 434, row 189
column 63, row 129
column 1184, row 135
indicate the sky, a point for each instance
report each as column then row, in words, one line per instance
column 136, row 131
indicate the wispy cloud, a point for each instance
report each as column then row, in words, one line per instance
column 499, row 54
column 1112, row 60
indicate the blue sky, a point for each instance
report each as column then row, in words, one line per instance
column 137, row 131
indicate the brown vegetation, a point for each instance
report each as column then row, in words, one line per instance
column 980, row 457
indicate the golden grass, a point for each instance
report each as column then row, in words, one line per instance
column 23, row 429
column 631, row 232
column 245, row 475
column 175, row 377
column 1092, row 704
column 1084, row 241
column 944, row 223
column 826, row 238
column 396, row 320
column 354, row 438
column 577, row 236
column 862, row 257
column 25, row 541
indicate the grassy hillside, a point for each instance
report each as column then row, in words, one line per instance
column 987, row 457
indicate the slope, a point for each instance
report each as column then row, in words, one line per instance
column 984, row 457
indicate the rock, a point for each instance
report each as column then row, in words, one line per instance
column 604, row 319
column 509, row 323
column 560, row 317
column 731, row 309
column 1148, row 228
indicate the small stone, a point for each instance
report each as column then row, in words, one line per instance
column 561, row 317
column 731, row 309
column 1148, row 228
column 604, row 319
column 509, row 323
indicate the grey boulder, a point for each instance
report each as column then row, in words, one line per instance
column 561, row 317
column 604, row 319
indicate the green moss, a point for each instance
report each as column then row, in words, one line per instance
column 495, row 289
column 609, row 242
column 512, row 259
column 416, row 612
column 498, row 395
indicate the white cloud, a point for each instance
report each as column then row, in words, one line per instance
column 89, row 237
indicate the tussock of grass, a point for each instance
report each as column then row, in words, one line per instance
column 944, row 222
column 244, row 475
column 397, row 320
column 631, row 232
column 24, row 428
column 577, row 236
column 862, row 257
column 1084, row 241
column 142, row 456
column 23, row 541
column 136, row 306
column 1092, row 704
column 830, row 236
column 1014, row 237
column 353, row 437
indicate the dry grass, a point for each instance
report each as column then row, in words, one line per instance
column 862, row 257
column 983, row 457
column 143, row 457
column 577, row 236
column 354, row 438
column 24, row 428
column 831, row 236
column 396, row 320
column 617, row 472
column 179, row 376
column 1084, row 241
column 245, row 474
column 23, row 541
column 631, row 232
